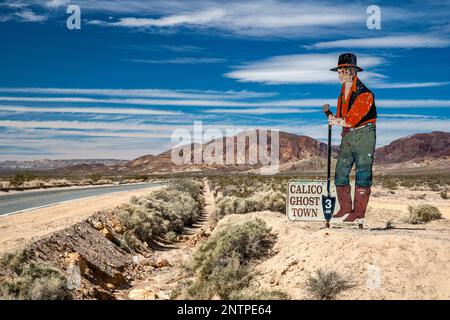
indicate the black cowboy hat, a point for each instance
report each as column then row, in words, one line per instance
column 347, row 60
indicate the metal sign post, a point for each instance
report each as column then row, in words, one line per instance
column 313, row 200
column 328, row 202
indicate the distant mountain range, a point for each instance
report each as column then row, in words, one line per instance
column 297, row 153
column 48, row 164
column 300, row 153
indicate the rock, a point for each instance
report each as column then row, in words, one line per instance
column 108, row 235
column 74, row 258
column 161, row 263
column 163, row 296
column 101, row 294
column 97, row 225
column 117, row 226
column 142, row 294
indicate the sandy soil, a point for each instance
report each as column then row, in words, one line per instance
column 21, row 228
column 403, row 197
column 410, row 261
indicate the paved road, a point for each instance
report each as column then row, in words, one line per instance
column 22, row 201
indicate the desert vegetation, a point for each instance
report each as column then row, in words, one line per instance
column 422, row 214
column 325, row 285
column 424, row 182
column 239, row 195
column 28, row 181
column 23, row 279
column 222, row 265
column 128, row 230
column 163, row 213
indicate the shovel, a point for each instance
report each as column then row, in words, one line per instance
column 328, row 202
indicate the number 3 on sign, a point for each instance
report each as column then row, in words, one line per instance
column 328, row 204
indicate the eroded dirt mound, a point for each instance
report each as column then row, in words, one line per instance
column 412, row 263
column 94, row 246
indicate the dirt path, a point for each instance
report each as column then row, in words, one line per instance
column 21, row 228
column 159, row 283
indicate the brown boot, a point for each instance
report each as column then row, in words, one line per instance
column 345, row 201
column 361, row 199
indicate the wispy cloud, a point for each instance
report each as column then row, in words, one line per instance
column 249, row 18
column 195, row 18
column 147, row 93
column 128, row 111
column 402, row 41
column 28, row 15
column 262, row 111
column 314, row 69
column 385, row 103
column 56, row 3
column 298, row 68
column 180, row 60
column 181, row 48
column 409, row 85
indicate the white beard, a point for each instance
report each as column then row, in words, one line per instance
column 348, row 86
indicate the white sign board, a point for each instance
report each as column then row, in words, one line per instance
column 304, row 200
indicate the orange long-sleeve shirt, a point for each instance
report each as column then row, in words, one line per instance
column 359, row 109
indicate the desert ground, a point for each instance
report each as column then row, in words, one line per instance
column 389, row 259
column 410, row 261
column 18, row 229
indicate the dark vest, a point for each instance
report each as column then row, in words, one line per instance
column 360, row 88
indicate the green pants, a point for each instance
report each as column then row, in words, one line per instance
column 357, row 147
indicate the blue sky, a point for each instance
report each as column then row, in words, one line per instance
column 138, row 70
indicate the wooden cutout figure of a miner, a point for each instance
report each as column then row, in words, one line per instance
column 356, row 113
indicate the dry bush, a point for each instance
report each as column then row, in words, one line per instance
column 423, row 213
column 325, row 285
column 262, row 295
column 5, row 185
column 222, row 263
column 30, row 280
column 163, row 213
column 264, row 200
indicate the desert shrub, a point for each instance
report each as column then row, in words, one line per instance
column 325, row 285
column 163, row 213
column 233, row 205
column 270, row 200
column 423, row 213
column 389, row 225
column 222, row 263
column 264, row 200
column 145, row 224
column 192, row 187
column 5, row 185
column 129, row 242
column 171, row 236
column 444, row 194
column 95, row 177
column 262, row 295
column 389, row 184
column 20, row 178
column 30, row 280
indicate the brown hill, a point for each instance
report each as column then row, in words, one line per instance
column 293, row 148
column 419, row 146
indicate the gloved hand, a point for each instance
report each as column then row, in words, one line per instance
column 333, row 121
column 326, row 109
